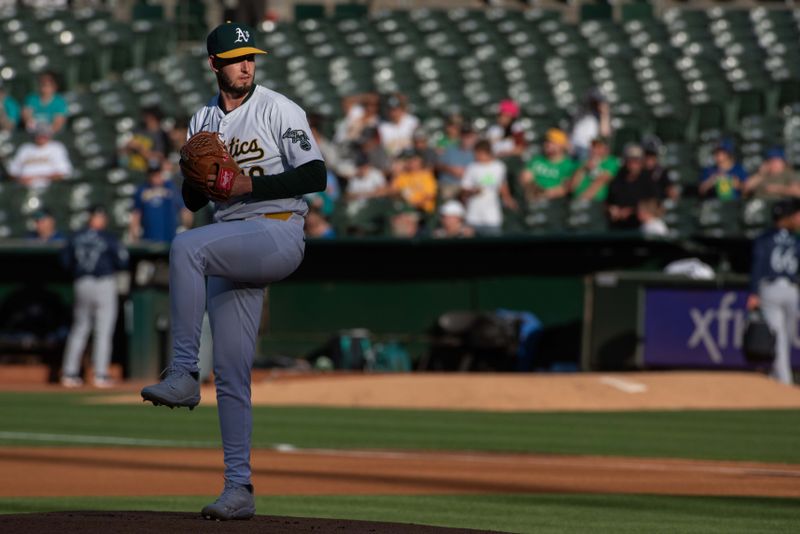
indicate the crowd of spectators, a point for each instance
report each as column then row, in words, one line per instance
column 465, row 182
column 390, row 175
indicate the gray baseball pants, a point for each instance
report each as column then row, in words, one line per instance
column 779, row 303
column 239, row 258
column 95, row 303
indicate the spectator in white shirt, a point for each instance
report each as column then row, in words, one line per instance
column 397, row 132
column 451, row 221
column 360, row 111
column 38, row 164
column 592, row 122
column 485, row 191
column 506, row 134
column 649, row 213
column 367, row 182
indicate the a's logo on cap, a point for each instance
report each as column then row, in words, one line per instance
column 242, row 36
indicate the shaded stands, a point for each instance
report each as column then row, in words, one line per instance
column 689, row 77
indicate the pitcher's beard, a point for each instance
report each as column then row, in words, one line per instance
column 227, row 85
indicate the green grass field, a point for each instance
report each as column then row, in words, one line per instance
column 768, row 436
column 764, row 435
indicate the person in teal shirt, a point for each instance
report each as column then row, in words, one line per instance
column 45, row 105
column 590, row 181
column 9, row 111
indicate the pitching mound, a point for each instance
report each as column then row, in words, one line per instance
column 178, row 523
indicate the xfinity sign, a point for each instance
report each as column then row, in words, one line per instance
column 697, row 328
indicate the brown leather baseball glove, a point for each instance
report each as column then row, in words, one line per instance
column 208, row 167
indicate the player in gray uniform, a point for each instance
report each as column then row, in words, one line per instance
column 774, row 282
column 256, row 239
column 92, row 256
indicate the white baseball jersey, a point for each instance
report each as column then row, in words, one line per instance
column 267, row 134
column 39, row 162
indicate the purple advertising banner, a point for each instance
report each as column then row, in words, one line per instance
column 697, row 328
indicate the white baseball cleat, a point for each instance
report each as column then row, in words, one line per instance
column 71, row 381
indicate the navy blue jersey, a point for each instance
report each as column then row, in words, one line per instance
column 775, row 255
column 93, row 253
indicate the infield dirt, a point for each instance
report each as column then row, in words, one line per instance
column 43, row 472
column 516, row 392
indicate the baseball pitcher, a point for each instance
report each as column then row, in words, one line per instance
column 251, row 153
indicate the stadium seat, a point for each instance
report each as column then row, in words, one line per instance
column 309, row 11
column 546, row 216
column 720, row 218
column 587, row 216
column 681, row 216
column 756, row 216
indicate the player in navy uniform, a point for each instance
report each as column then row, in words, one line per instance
column 773, row 283
column 92, row 256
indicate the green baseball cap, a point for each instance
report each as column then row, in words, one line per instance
column 232, row 40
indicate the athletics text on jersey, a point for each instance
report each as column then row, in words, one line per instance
column 267, row 134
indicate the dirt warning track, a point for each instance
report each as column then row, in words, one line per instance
column 146, row 471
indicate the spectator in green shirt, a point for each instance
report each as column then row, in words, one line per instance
column 548, row 175
column 452, row 134
column 590, row 181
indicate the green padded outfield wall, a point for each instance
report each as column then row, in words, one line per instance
column 303, row 315
column 396, row 288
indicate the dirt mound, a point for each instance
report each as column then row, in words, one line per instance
column 179, row 523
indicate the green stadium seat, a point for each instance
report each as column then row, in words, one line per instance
column 147, row 11
column 707, row 121
column 309, row 11
column 681, row 216
column 587, row 217
column 670, row 129
column 598, row 10
column 637, row 10
column 513, row 222
column 720, row 218
column 756, row 216
column 190, row 18
column 546, row 216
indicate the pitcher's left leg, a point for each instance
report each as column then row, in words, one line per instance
column 234, row 311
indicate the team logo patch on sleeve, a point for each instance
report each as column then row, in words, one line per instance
column 298, row 136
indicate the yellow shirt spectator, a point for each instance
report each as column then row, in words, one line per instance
column 416, row 185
